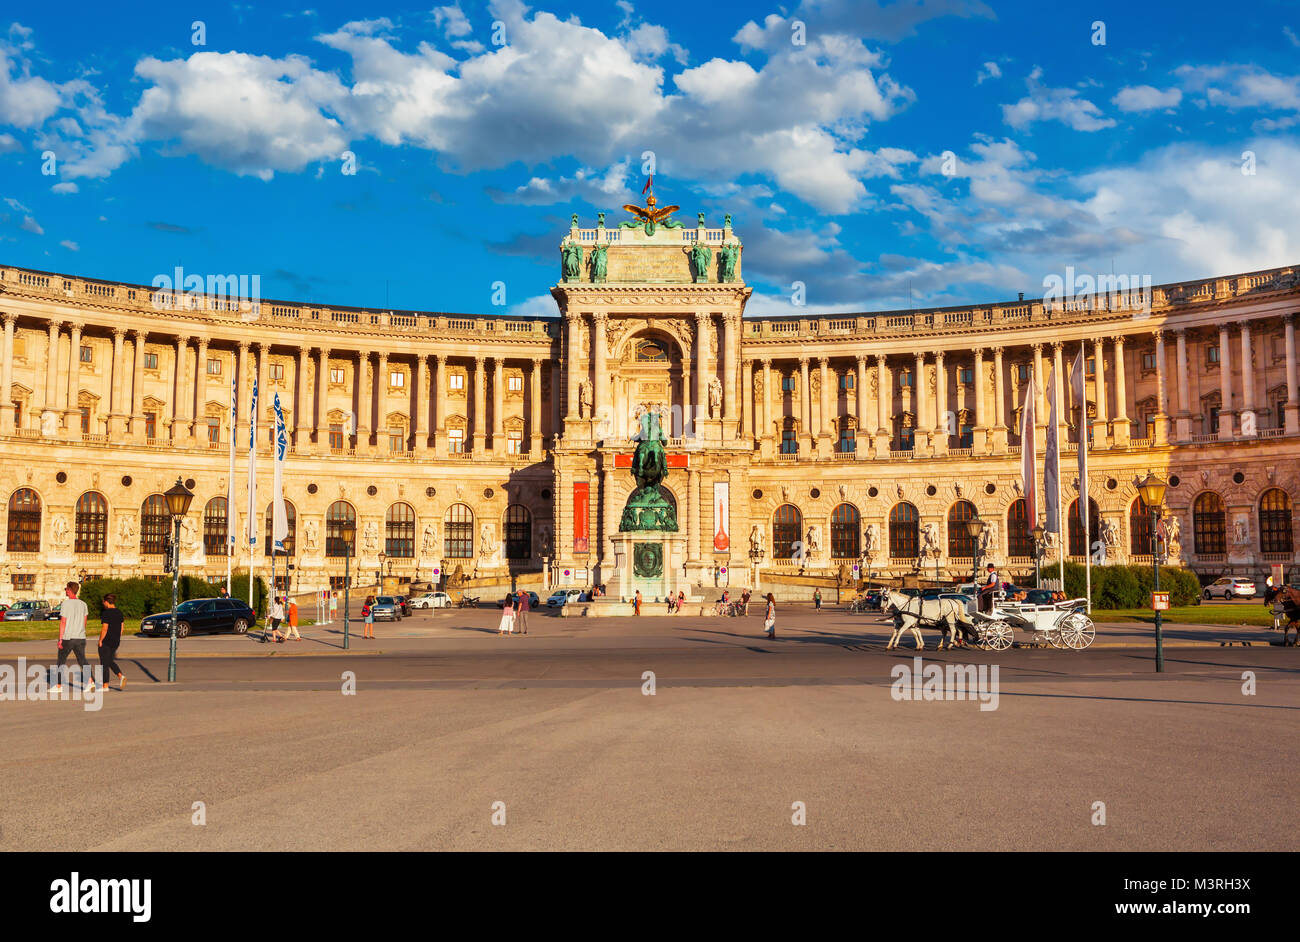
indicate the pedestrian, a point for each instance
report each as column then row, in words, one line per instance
column 507, row 623
column 368, row 617
column 334, row 606
column 224, row 593
column 521, row 611
column 72, row 636
column 769, row 620
column 636, row 603
column 292, row 633
column 110, row 637
column 274, row 615
column 681, row 600
column 817, row 599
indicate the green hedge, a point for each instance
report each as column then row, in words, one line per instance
column 1130, row 586
column 139, row 597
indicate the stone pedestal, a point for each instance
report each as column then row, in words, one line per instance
column 633, row 549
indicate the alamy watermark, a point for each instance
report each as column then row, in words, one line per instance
column 1082, row 291
column 192, row 292
column 32, row 682
column 922, row 681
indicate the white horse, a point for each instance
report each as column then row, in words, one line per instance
column 911, row 611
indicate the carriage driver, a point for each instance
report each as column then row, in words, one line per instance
column 991, row 584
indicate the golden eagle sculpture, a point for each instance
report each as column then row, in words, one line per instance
column 649, row 217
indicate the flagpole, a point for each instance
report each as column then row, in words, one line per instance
column 1084, row 497
column 230, row 494
column 252, row 495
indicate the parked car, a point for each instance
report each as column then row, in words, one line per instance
column 431, row 600
column 386, row 608
column 873, row 597
column 563, row 597
column 1231, row 587
column 533, row 600
column 962, row 598
column 30, row 610
column 202, row 615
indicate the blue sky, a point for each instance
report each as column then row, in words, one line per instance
column 903, row 154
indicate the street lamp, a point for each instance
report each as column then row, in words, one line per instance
column 974, row 527
column 347, row 530
column 178, row 498
column 756, row 558
column 380, row 579
column 1039, row 535
column 1152, row 490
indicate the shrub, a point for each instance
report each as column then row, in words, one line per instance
column 1130, row 586
column 135, row 597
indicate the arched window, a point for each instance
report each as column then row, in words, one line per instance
column 1208, row 525
column 399, row 531
column 91, row 523
column 340, row 513
column 1275, row 522
column 1139, row 528
column 290, row 518
column 787, row 529
column 458, row 532
column 155, row 525
column 1078, row 546
column 904, row 532
column 846, row 532
column 519, row 532
column 1020, row 541
column 24, row 522
column 961, row 543
column 216, row 528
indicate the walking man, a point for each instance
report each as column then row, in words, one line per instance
column 817, row 599
column 334, row 606
column 636, row 603
column 72, row 635
column 110, row 637
column 521, row 612
column 291, row 633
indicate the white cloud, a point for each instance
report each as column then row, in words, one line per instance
column 1241, row 86
column 1291, row 37
column 26, row 100
column 9, row 144
column 1146, row 98
column 603, row 189
column 64, row 188
column 1054, row 104
column 989, row 70
column 70, row 245
column 867, row 19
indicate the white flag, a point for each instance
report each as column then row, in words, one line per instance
column 1052, row 462
column 1028, row 454
column 279, row 517
column 230, row 478
column 1080, row 396
column 252, row 470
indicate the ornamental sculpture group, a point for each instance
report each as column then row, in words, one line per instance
column 647, row 508
column 649, row 218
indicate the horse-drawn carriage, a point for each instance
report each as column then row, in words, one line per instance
column 1060, row 624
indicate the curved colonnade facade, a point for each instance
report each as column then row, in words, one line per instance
column 501, row 445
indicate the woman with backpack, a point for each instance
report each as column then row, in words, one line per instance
column 368, row 616
column 769, row 620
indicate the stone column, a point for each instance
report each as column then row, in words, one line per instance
column 243, row 396
column 600, row 404
column 1101, row 423
column 72, row 415
column 321, row 421
column 198, row 423
column 1292, row 396
column 1225, row 383
column 608, row 519
column 380, row 421
column 265, row 430
column 941, row 412
column 981, row 437
column 805, row 407
column 116, row 416
column 730, row 347
column 51, row 392
column 747, row 400
column 702, row 326
column 765, row 430
column 1183, row 420
column 884, row 433
column 1247, row 370
column 498, row 404
column 138, row 338
column 535, row 412
column 999, row 403
column 365, row 397
column 302, row 402
column 1062, row 384
column 480, row 406
column 7, row 376
column 824, row 407
column 573, row 325
column 438, row 389
column 181, row 391
column 420, row 409
column 693, row 517
column 863, row 434
column 1121, row 429
column 921, row 427
column 1160, row 436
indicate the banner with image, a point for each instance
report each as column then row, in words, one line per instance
column 721, row 516
column 581, row 498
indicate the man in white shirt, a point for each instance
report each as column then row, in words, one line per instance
column 72, row 635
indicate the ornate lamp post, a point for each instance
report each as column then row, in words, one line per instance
column 974, row 528
column 380, row 576
column 1152, row 490
column 1040, row 547
column 756, row 558
column 347, row 529
column 178, row 498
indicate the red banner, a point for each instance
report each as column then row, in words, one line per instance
column 581, row 496
column 674, row 461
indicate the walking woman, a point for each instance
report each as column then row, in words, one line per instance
column 769, row 621
column 110, row 636
column 368, row 616
column 507, row 624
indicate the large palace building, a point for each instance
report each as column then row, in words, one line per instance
column 798, row 446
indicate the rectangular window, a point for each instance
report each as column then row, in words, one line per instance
column 846, row 381
column 967, row 437
column 966, row 375
column 789, row 446
column 515, row 443
column 1214, row 420
column 396, row 439
column 214, row 430
column 1149, row 422
column 1280, row 412
column 1022, row 372
column 277, row 372
column 1212, row 354
column 848, row 441
column 214, row 366
column 1091, row 367
column 787, row 384
column 396, row 379
column 85, row 420
column 1148, row 361
column 336, row 374
column 18, row 415
column 905, row 379
column 151, row 425
column 456, row 381
column 24, row 580
column 87, row 354
column 515, row 384
column 906, row 439
column 455, row 441
column 151, row 361
column 336, row 436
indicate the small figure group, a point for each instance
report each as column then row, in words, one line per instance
column 72, row 638
column 514, row 613
column 675, row 603
column 276, row 615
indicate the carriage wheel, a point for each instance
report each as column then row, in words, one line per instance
column 1000, row 637
column 1077, row 631
column 1053, row 636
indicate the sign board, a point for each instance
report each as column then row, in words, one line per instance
column 1159, row 601
column 673, row 461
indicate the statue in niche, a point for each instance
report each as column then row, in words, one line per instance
column 701, row 256
column 571, row 261
column 715, row 398
column 584, row 399
column 312, row 532
column 429, row 540
column 125, row 532
column 598, row 264
column 871, row 539
column 756, row 539
column 727, row 257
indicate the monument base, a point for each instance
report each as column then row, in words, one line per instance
column 649, row 561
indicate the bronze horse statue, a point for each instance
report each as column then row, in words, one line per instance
column 1285, row 601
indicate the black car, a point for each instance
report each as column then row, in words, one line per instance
column 202, row 615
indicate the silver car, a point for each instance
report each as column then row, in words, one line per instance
column 386, row 608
